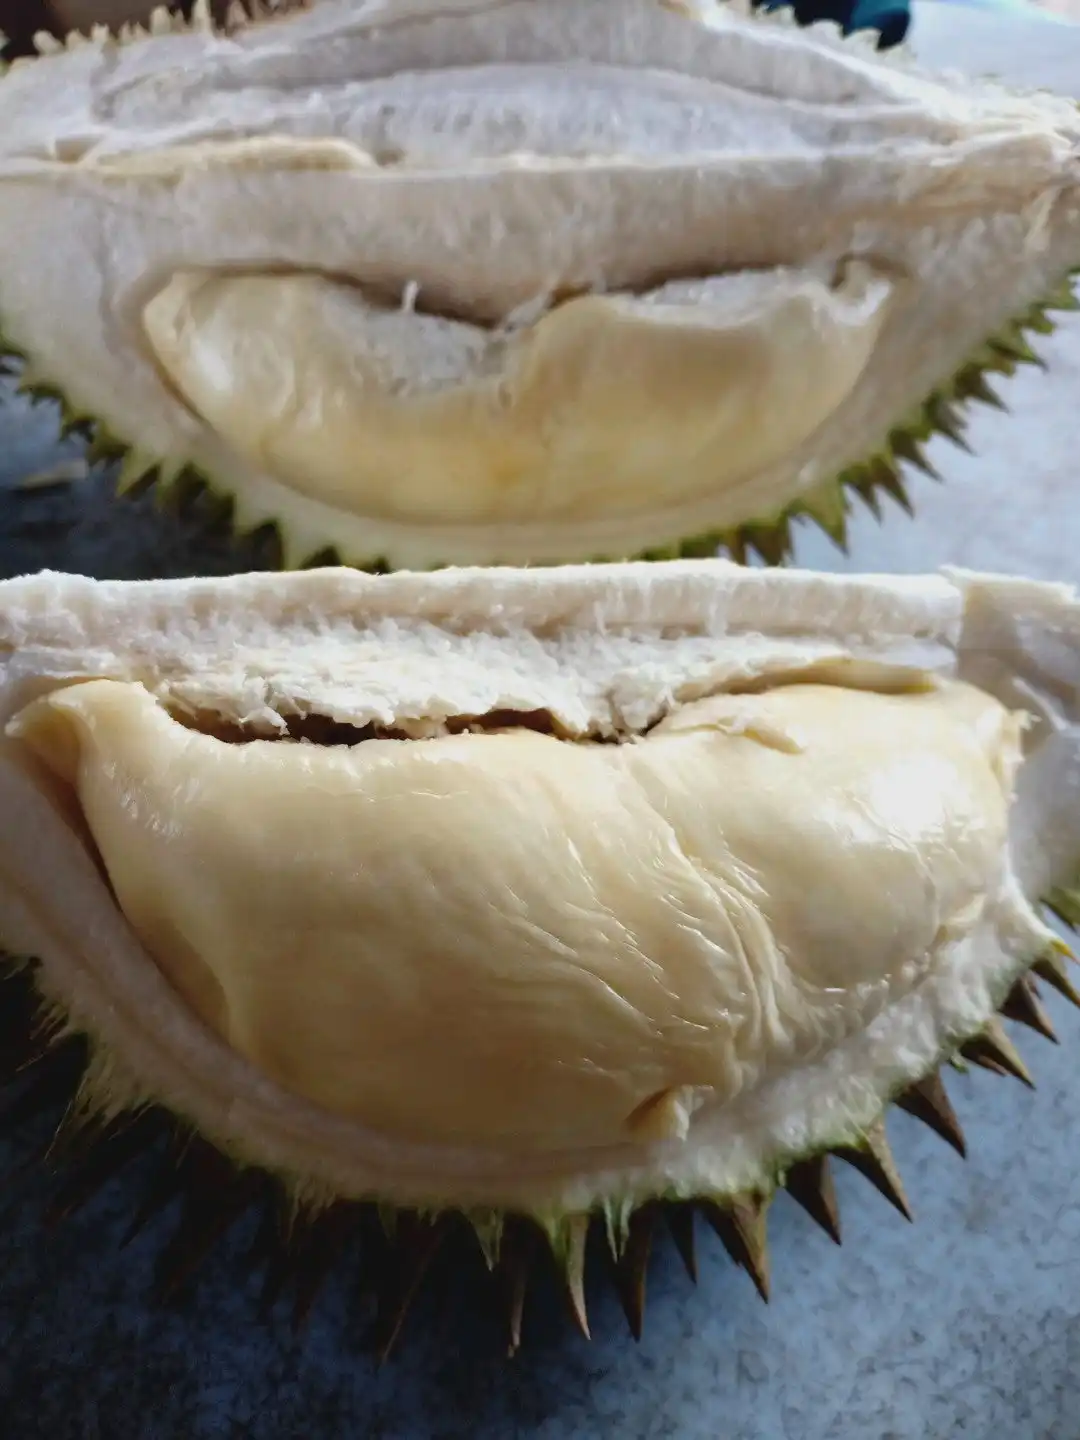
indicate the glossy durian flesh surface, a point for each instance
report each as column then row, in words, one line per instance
column 546, row 894
column 522, row 280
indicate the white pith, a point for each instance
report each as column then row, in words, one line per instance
column 972, row 193
column 622, row 639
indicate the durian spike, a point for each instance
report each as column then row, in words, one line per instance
column 873, row 1158
column 201, row 17
column 24, row 1038
column 927, row 1100
column 944, row 417
column 569, row 1240
column 827, row 507
column 631, row 1268
column 418, row 1240
column 72, row 1134
column 104, row 448
column 106, row 1153
column 910, row 450
column 165, row 1184
column 1064, row 299
column 886, row 478
column 1052, row 968
column 1022, row 1005
column 741, row 1224
column 216, row 1195
column 49, row 1078
column 681, row 1218
column 867, row 492
column 993, row 1050
column 1065, row 903
column 517, row 1254
column 274, row 1247
column 487, row 1229
column 810, row 1184
column 1015, row 344
column 772, row 541
column 324, row 1241
column 737, row 546
column 972, row 384
column 617, row 1216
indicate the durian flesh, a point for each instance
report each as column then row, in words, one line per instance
column 518, row 280
column 653, row 884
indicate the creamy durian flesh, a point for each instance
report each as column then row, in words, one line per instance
column 521, row 280
column 532, row 944
column 539, row 893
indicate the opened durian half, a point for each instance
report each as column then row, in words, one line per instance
column 523, row 281
column 526, row 899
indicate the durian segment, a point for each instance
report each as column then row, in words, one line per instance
column 674, row 696
column 607, row 406
column 504, row 167
column 526, row 943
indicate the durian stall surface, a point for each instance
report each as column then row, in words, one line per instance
column 960, row 1322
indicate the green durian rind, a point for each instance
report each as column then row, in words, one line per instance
column 410, row 1237
column 617, row 1210
column 828, row 505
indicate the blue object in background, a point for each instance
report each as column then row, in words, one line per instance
column 890, row 18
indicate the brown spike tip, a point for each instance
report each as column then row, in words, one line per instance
column 517, row 1255
column 631, row 1268
column 1053, row 969
column 742, row 1225
column 927, row 1100
column 569, row 1241
column 873, row 1158
column 681, row 1217
column 416, row 1244
column 324, row 1241
column 993, row 1050
column 1022, row 1005
column 97, row 1156
column 216, row 1195
column 810, row 1184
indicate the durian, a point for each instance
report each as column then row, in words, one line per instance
column 526, row 901
column 523, row 281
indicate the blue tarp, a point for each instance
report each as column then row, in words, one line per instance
column 891, row 18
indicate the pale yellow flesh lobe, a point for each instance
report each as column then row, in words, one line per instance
column 604, row 405
column 517, row 941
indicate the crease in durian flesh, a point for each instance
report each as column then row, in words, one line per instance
column 569, row 947
column 519, row 282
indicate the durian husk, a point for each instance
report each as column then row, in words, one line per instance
column 877, row 480
column 103, row 1122
column 878, row 484
column 48, row 1065
column 37, row 26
